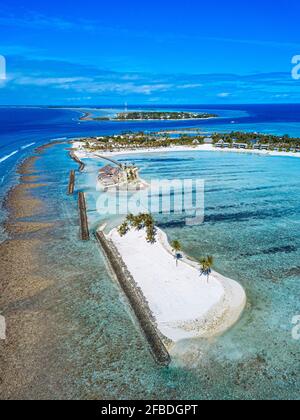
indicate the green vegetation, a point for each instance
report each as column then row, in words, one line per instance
column 279, row 142
column 140, row 141
column 162, row 140
column 132, row 173
column 206, row 264
column 177, row 248
column 164, row 115
column 140, row 222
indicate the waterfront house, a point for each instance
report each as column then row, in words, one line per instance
column 221, row 143
column 110, row 175
column 240, row 145
column 258, row 146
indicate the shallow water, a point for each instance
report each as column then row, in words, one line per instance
column 251, row 228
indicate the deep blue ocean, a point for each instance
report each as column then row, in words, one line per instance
column 251, row 227
column 22, row 129
column 23, row 126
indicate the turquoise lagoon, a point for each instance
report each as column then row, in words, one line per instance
column 251, row 227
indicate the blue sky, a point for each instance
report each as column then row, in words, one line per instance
column 158, row 52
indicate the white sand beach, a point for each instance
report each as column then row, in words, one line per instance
column 184, row 304
column 83, row 154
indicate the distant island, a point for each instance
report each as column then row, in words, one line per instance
column 152, row 116
column 163, row 116
column 163, row 140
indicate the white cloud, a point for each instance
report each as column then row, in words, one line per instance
column 120, row 88
column 92, row 85
column 190, row 86
column 33, row 19
column 79, row 99
column 224, row 94
column 282, row 95
column 49, row 81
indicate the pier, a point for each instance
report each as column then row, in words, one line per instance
column 85, row 234
column 71, row 183
column 115, row 162
column 80, row 163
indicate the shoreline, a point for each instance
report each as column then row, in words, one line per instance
column 82, row 154
column 77, row 160
column 156, row 120
column 88, row 116
column 24, row 283
column 183, row 304
column 136, row 300
column 204, row 148
column 220, row 309
column 38, row 365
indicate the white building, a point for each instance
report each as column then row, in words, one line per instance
column 240, row 145
column 222, row 144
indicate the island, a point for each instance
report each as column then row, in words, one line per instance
column 235, row 141
column 116, row 175
column 151, row 116
column 183, row 303
column 190, row 299
column 176, row 298
column 162, row 115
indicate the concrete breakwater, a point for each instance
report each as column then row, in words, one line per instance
column 136, row 299
column 85, row 235
column 71, row 183
column 77, row 160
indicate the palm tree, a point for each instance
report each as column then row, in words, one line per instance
column 139, row 222
column 176, row 247
column 206, row 265
column 123, row 229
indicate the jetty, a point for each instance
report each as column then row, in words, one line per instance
column 85, row 234
column 77, row 160
column 115, row 162
column 71, row 183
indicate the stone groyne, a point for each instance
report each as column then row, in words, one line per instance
column 77, row 160
column 71, row 183
column 85, row 234
column 136, row 299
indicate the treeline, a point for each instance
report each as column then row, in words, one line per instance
column 162, row 115
column 140, row 140
column 253, row 138
column 155, row 140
